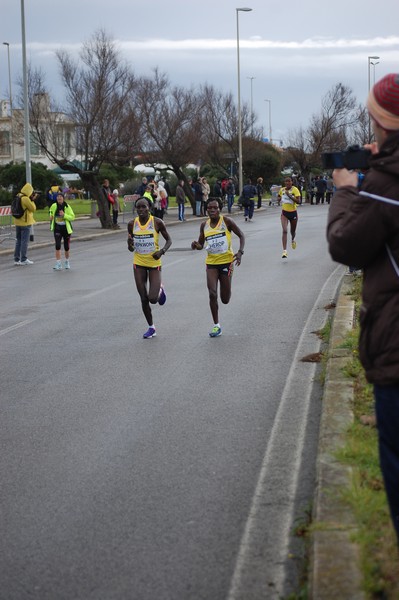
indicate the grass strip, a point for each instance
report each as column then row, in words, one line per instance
column 366, row 495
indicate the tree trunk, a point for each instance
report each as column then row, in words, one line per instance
column 187, row 188
column 91, row 184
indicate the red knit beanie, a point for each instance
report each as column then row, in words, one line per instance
column 383, row 102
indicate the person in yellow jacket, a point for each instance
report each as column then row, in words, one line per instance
column 61, row 215
column 22, row 225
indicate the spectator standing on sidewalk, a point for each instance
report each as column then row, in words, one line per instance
column 248, row 193
column 217, row 189
column 259, row 190
column 23, row 225
column 329, row 190
column 142, row 187
column 321, row 188
column 180, row 199
column 206, row 190
column 363, row 230
column 197, row 196
column 107, row 193
column 115, row 208
column 61, row 216
column 230, row 192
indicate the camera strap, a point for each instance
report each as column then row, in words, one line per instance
column 380, row 198
column 393, row 261
column 387, row 201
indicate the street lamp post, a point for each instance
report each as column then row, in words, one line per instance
column 252, row 107
column 369, row 62
column 373, row 65
column 270, row 119
column 10, row 93
column 26, row 102
column 240, row 182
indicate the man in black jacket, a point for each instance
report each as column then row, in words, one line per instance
column 363, row 230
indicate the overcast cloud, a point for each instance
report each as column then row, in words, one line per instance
column 294, row 52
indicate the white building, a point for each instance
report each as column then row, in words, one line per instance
column 57, row 128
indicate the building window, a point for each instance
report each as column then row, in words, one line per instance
column 5, row 146
column 68, row 144
column 35, row 148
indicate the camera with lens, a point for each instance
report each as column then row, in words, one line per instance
column 355, row 157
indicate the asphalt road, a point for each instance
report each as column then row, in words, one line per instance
column 165, row 469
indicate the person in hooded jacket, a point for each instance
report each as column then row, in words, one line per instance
column 363, row 230
column 23, row 226
column 61, row 217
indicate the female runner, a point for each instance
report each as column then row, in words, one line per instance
column 143, row 240
column 215, row 237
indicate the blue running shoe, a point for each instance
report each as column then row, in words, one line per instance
column 162, row 296
column 216, row 331
column 150, row 333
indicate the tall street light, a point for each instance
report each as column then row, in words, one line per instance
column 26, row 102
column 252, row 107
column 373, row 65
column 10, row 93
column 240, row 186
column 369, row 61
column 270, row 119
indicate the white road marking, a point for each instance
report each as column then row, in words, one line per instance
column 16, row 326
column 249, row 553
column 104, row 290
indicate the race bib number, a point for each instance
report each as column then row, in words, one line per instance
column 144, row 244
column 217, row 244
column 287, row 200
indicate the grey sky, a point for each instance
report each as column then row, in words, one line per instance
column 295, row 52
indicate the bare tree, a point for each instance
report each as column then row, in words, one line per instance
column 221, row 129
column 330, row 129
column 359, row 133
column 172, row 125
column 99, row 96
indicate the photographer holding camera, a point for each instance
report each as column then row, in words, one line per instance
column 363, row 230
column 23, row 225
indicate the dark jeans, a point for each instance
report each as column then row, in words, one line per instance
column 387, row 412
column 181, row 211
column 22, row 234
column 249, row 208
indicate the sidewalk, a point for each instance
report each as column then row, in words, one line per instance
column 85, row 228
column 334, row 571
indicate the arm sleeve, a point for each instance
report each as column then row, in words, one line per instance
column 356, row 228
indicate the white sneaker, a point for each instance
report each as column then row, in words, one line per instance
column 17, row 263
column 57, row 266
column 67, row 264
column 26, row 262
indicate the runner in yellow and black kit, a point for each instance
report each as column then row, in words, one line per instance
column 215, row 237
column 143, row 240
column 290, row 198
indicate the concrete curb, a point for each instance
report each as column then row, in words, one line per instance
column 334, row 564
